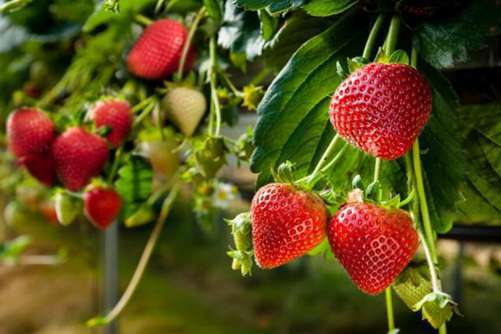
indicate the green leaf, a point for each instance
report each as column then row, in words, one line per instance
column 293, row 112
column 445, row 42
column 214, row 9
column 134, row 184
column 443, row 159
column 328, row 7
column 268, row 25
column 482, row 146
column 296, row 30
column 240, row 32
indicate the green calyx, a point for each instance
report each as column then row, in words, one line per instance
column 242, row 254
column 211, row 156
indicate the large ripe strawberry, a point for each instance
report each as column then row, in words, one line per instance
column 185, row 107
column 381, row 109
column 102, row 206
column 286, row 224
column 29, row 131
column 41, row 166
column 115, row 114
column 374, row 244
column 79, row 155
column 157, row 52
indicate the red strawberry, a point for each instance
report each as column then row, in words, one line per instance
column 41, row 167
column 116, row 115
column 373, row 244
column 286, row 224
column 29, row 131
column 79, row 156
column 381, row 109
column 102, row 206
column 157, row 52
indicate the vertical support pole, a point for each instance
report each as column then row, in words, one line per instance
column 110, row 279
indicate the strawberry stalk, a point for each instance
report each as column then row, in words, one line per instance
column 372, row 37
column 143, row 262
column 186, row 48
column 391, row 40
column 214, row 130
column 142, row 20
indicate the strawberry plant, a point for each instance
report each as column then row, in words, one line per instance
column 362, row 150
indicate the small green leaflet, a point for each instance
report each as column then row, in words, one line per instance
column 274, row 6
column 134, row 184
column 328, row 7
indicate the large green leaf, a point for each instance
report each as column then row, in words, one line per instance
column 443, row 159
column 482, row 143
column 444, row 42
column 296, row 30
column 328, row 7
column 293, row 112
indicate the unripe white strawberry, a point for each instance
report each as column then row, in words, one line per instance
column 185, row 107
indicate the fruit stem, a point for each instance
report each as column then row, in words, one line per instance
column 213, row 79
column 324, row 156
column 389, row 310
column 377, row 169
column 143, row 261
column 391, row 39
column 146, row 111
column 372, row 36
column 425, row 215
column 187, row 45
column 431, row 266
column 142, row 20
column 336, row 158
column 230, row 84
column 116, row 163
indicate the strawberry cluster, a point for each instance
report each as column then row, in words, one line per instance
column 380, row 109
column 76, row 155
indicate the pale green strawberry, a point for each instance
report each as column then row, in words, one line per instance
column 185, row 107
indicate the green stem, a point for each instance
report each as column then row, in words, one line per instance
column 425, row 214
column 146, row 111
column 13, row 5
column 230, row 84
column 389, row 310
column 372, row 37
column 377, row 169
column 116, row 163
column 142, row 20
column 213, row 86
column 143, row 262
column 324, row 157
column 187, row 45
column 391, row 39
column 335, row 159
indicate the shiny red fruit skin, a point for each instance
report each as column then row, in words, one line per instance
column 286, row 224
column 381, row 109
column 29, row 131
column 157, row 52
column 102, row 206
column 79, row 156
column 41, row 167
column 373, row 244
column 115, row 114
